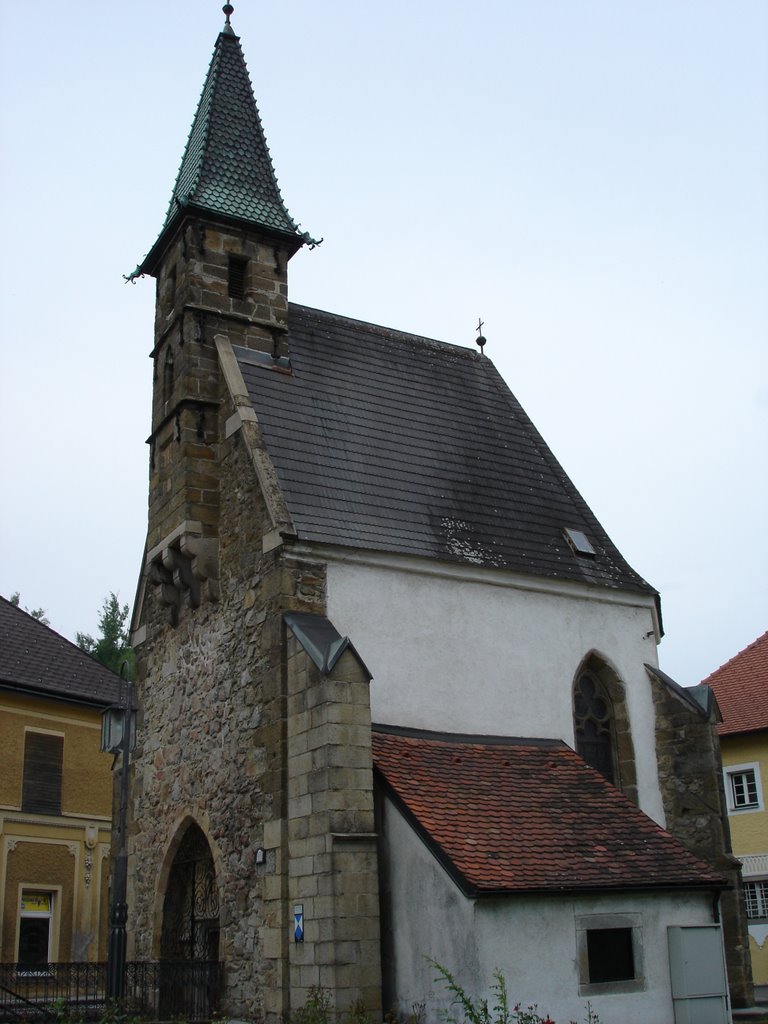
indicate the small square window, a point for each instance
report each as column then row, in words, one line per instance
column 237, row 268
column 742, row 787
column 610, row 954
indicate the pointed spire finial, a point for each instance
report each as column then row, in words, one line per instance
column 480, row 340
column 228, row 10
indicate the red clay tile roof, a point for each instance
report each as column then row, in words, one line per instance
column 741, row 688
column 522, row 816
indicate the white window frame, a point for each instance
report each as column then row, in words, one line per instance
column 731, row 770
column 52, row 915
column 761, row 899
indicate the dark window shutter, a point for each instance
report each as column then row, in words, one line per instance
column 237, row 265
column 43, row 756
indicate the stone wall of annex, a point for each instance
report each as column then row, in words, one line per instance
column 690, row 777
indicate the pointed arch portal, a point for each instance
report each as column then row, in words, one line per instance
column 191, row 906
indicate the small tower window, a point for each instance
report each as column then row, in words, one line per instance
column 237, row 268
column 168, row 376
column 172, row 285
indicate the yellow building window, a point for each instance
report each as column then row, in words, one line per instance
column 43, row 758
column 35, row 929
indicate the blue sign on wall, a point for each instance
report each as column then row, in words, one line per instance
column 298, row 923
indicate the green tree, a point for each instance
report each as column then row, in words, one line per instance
column 36, row 613
column 111, row 647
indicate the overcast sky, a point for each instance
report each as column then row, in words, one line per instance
column 589, row 176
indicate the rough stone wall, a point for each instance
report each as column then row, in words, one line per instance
column 690, row 776
column 209, row 735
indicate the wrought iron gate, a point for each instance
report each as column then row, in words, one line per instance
column 190, row 921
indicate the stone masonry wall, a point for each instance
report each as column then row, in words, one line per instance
column 193, row 305
column 690, row 776
column 210, row 736
column 332, row 866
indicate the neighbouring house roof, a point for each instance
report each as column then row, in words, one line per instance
column 515, row 816
column 741, row 688
column 393, row 442
column 227, row 170
column 36, row 660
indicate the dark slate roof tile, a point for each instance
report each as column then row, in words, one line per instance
column 399, row 443
column 516, row 816
column 36, row 660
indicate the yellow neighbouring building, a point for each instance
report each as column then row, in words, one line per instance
column 55, row 796
column 741, row 688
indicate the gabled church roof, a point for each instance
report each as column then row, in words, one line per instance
column 36, row 660
column 514, row 816
column 226, row 170
column 391, row 442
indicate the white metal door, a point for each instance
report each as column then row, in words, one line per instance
column 697, row 968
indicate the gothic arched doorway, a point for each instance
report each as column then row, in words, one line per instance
column 191, row 905
column 190, row 975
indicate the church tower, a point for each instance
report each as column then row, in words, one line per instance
column 220, row 264
column 252, row 856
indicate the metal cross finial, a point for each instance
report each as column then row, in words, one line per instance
column 228, row 9
column 480, row 340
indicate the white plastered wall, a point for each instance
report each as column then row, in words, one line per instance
column 461, row 650
column 531, row 940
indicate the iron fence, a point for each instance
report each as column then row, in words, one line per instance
column 188, row 990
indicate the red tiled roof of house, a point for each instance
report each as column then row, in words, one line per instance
column 741, row 688
column 521, row 816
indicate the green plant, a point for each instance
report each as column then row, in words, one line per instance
column 357, row 1013
column 416, row 1016
column 477, row 1011
column 316, row 1010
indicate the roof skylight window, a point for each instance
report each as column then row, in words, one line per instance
column 579, row 542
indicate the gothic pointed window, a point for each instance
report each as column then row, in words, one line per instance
column 594, row 725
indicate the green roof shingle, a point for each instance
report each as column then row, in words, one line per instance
column 226, row 170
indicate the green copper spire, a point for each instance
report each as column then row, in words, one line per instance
column 226, row 170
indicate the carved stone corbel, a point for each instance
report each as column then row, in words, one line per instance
column 185, row 567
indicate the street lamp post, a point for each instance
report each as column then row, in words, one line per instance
column 117, row 721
